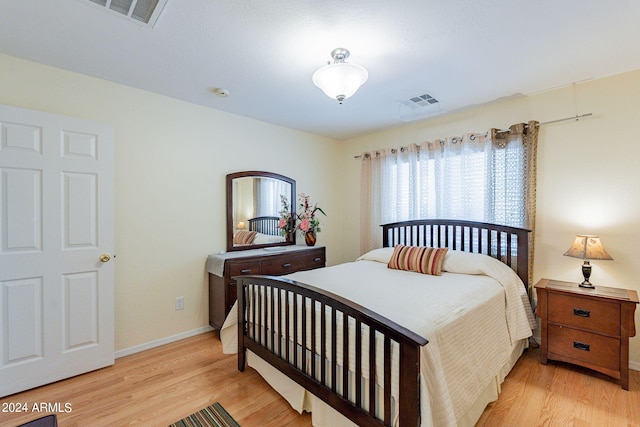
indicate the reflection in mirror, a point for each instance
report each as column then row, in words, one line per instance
column 254, row 202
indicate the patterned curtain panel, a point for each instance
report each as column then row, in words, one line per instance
column 488, row 177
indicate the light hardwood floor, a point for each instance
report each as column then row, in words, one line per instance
column 159, row 386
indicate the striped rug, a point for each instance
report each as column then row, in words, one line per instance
column 211, row 416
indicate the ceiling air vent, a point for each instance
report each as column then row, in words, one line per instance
column 419, row 107
column 143, row 11
column 423, row 100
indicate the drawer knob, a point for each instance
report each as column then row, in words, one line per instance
column 317, row 259
column 245, row 271
column 286, row 265
column 581, row 346
column 582, row 313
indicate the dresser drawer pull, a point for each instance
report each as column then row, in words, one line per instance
column 581, row 346
column 317, row 259
column 582, row 313
column 287, row 265
column 245, row 271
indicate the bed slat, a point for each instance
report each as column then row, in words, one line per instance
column 387, row 381
column 345, row 356
column 372, row 371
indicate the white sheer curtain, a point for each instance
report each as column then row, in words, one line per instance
column 267, row 196
column 487, row 177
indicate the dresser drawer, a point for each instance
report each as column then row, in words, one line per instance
column 592, row 314
column 279, row 265
column 242, row 268
column 584, row 346
column 314, row 259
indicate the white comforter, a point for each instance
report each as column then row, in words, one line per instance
column 471, row 315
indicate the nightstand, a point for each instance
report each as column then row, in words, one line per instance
column 587, row 327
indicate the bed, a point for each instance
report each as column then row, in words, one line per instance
column 351, row 351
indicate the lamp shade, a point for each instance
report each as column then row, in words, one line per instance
column 587, row 247
column 341, row 80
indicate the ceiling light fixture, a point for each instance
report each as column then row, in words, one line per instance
column 340, row 80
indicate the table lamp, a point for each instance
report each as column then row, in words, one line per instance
column 587, row 247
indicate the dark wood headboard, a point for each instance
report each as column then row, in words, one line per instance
column 508, row 244
column 265, row 225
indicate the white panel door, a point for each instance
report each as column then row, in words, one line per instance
column 56, row 241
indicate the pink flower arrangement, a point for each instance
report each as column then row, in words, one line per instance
column 307, row 215
column 286, row 224
column 282, row 224
column 304, row 225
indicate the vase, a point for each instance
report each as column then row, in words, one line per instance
column 310, row 238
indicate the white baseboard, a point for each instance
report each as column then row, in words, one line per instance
column 161, row 341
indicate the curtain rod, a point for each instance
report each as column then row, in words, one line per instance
column 576, row 118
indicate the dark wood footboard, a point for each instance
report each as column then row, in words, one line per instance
column 304, row 332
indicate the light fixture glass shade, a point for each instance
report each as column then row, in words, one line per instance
column 588, row 247
column 341, row 80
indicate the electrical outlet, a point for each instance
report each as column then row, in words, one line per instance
column 180, row 303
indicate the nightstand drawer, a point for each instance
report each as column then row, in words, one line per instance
column 585, row 347
column 595, row 315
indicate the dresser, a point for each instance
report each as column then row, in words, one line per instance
column 587, row 327
column 223, row 267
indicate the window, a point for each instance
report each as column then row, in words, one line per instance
column 487, row 178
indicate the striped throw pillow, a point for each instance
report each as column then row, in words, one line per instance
column 244, row 237
column 421, row 259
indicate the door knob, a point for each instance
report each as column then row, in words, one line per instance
column 105, row 257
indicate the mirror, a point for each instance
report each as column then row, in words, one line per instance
column 253, row 209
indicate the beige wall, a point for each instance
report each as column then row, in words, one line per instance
column 588, row 174
column 171, row 159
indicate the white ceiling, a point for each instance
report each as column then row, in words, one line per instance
column 463, row 52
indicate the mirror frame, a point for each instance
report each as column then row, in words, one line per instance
column 230, row 224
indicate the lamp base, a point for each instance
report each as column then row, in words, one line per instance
column 586, row 273
column 587, row 284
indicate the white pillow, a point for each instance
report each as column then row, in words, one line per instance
column 382, row 255
column 266, row 238
column 464, row 262
column 454, row 261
